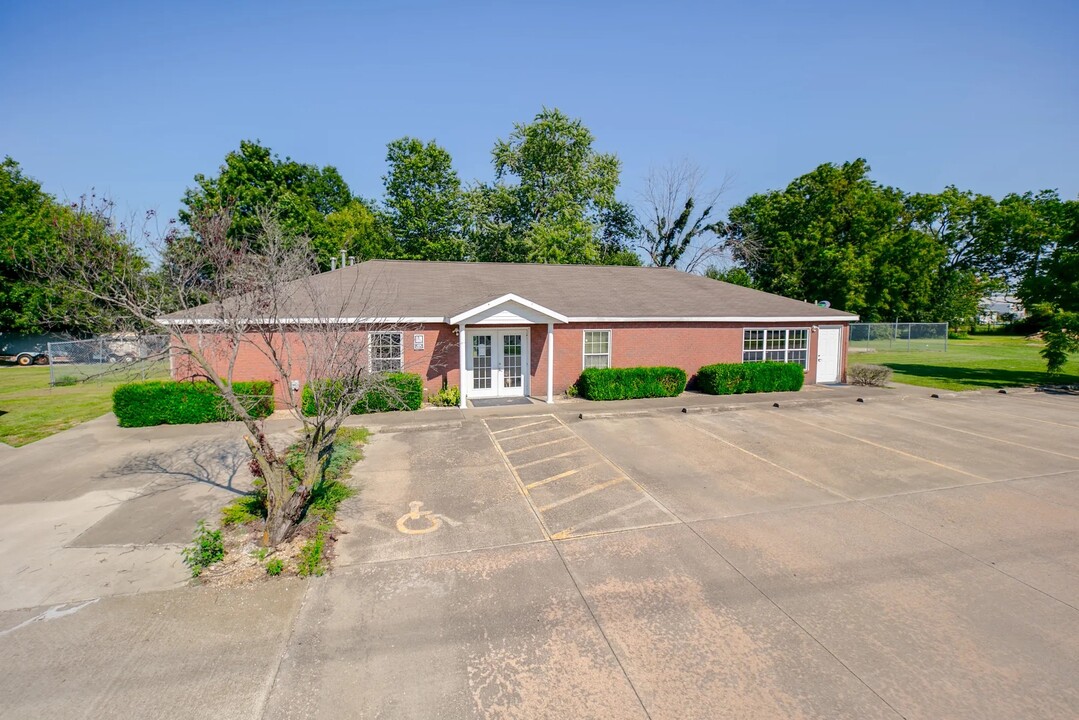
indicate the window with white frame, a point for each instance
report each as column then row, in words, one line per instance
column 777, row 345
column 597, row 348
column 387, row 351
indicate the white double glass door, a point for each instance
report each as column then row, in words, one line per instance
column 497, row 363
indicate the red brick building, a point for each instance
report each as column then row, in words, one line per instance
column 529, row 330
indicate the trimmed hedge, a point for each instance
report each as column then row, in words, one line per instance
column 629, row 383
column 406, row 394
column 750, row 377
column 171, row 402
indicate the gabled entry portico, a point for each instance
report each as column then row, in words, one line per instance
column 495, row 342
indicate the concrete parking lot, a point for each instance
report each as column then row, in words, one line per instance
column 900, row 557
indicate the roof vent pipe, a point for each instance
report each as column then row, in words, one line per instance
column 333, row 264
column 351, row 259
column 342, row 257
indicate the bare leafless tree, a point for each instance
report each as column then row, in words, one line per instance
column 680, row 226
column 224, row 304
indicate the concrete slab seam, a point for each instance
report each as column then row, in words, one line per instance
column 966, row 554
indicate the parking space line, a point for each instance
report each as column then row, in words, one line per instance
column 559, row 476
column 563, row 534
column 542, row 444
column 697, row 424
column 520, row 484
column 546, row 418
column 996, row 407
column 988, row 437
column 583, row 493
column 617, row 468
column 553, row 457
column 885, row 447
column 530, row 432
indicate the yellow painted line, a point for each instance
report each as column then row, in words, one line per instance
column 546, row 418
column 563, row 534
column 583, row 493
column 526, row 434
column 619, row 469
column 553, row 457
column 559, row 476
column 542, row 444
column 889, row 449
column 520, row 485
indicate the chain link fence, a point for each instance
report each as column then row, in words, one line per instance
column 898, row 337
column 124, row 357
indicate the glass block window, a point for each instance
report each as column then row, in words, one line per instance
column 597, row 348
column 777, row 345
column 387, row 351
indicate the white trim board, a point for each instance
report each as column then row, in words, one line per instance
column 555, row 317
column 509, row 300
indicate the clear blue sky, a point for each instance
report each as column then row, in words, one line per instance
column 135, row 98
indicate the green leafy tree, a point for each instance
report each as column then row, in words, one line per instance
column 424, row 201
column 553, row 200
column 732, row 275
column 821, row 238
column 1043, row 238
column 254, row 180
column 32, row 225
column 28, row 232
column 359, row 230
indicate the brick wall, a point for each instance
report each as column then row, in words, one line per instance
column 684, row 345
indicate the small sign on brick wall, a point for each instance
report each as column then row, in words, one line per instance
column 417, row 341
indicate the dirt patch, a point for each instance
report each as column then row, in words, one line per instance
column 246, row 560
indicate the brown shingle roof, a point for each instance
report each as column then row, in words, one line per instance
column 419, row 289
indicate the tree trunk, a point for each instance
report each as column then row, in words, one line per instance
column 283, row 515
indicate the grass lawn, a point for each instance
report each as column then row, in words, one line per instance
column 31, row 410
column 980, row 361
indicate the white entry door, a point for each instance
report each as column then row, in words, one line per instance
column 497, row 363
column 828, row 340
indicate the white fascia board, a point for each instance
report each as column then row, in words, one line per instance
column 304, row 321
column 509, row 297
column 684, row 319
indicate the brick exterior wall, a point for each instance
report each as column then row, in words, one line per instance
column 684, row 345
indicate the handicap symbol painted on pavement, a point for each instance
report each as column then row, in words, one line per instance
column 418, row 522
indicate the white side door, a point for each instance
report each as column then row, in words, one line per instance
column 828, row 340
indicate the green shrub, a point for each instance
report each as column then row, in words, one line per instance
column 628, row 383
column 875, row 375
column 449, row 396
column 403, row 391
column 751, row 377
column 168, row 402
column 275, row 566
column 206, row 549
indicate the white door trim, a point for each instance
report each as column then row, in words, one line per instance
column 828, row 353
column 497, row 389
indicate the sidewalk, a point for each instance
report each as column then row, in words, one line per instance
column 578, row 408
